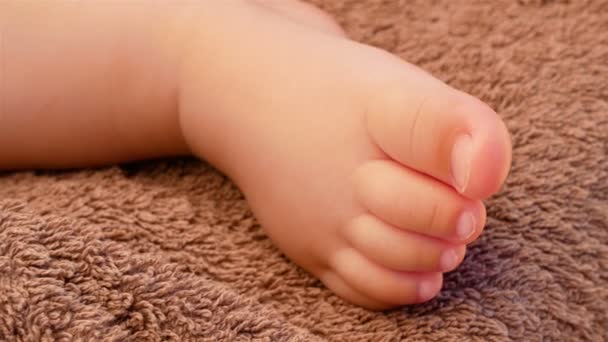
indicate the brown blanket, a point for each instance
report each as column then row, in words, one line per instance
column 168, row 250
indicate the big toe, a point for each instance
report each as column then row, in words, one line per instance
column 447, row 134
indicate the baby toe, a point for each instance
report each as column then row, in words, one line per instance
column 447, row 134
column 414, row 202
column 382, row 284
column 401, row 250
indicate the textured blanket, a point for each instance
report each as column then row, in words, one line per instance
column 168, row 250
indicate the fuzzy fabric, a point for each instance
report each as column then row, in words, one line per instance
column 168, row 250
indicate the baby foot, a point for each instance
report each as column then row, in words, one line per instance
column 363, row 169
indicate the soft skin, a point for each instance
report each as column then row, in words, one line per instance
column 365, row 170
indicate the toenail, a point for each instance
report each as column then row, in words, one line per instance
column 426, row 290
column 465, row 226
column 448, row 260
column 461, row 160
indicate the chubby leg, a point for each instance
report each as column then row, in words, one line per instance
column 88, row 83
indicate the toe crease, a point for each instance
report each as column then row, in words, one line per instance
column 414, row 127
column 433, row 216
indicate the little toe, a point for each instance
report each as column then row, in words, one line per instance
column 382, row 284
column 401, row 250
column 340, row 287
column 412, row 201
column 440, row 131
